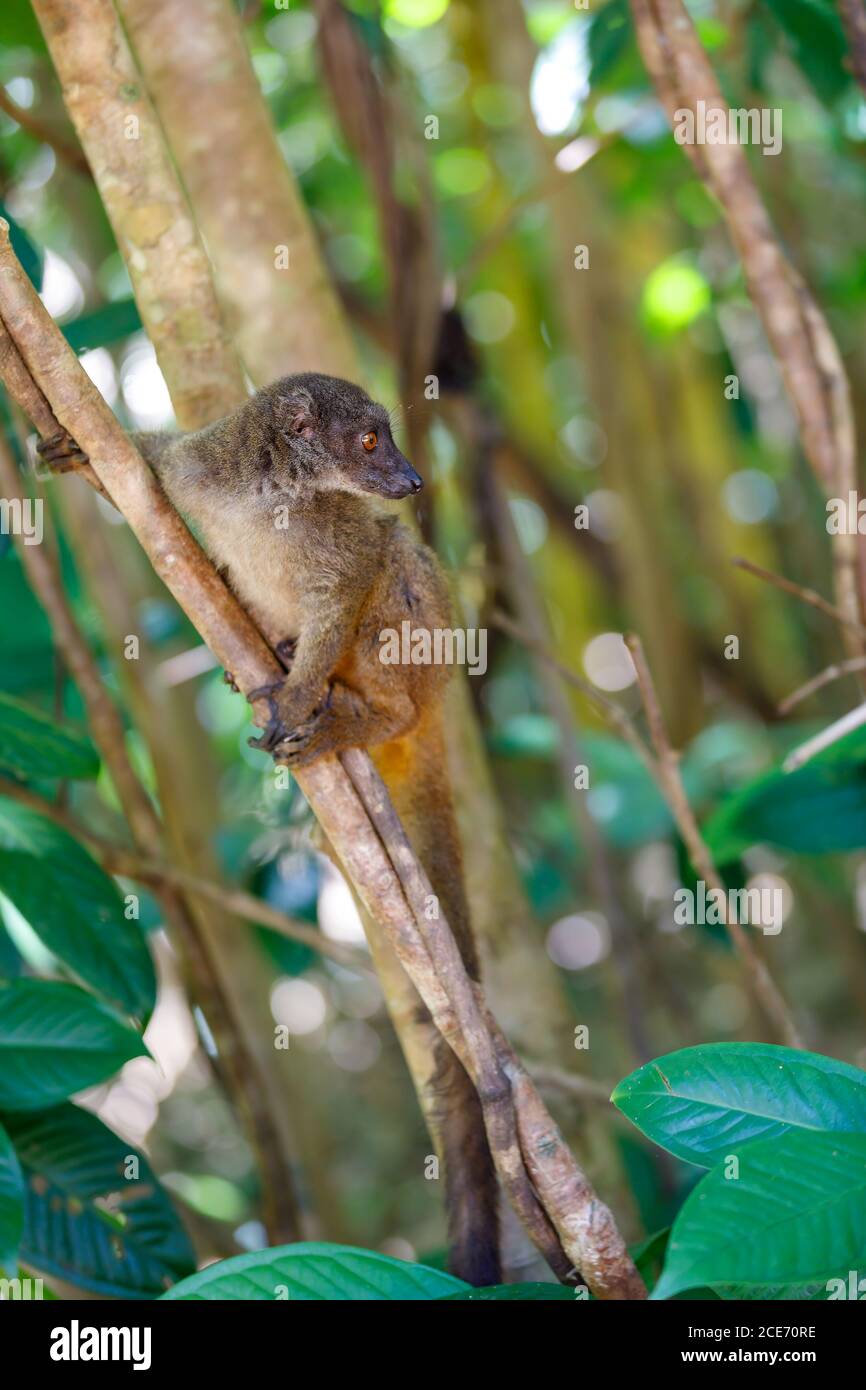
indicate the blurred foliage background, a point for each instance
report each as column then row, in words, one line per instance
column 527, row 130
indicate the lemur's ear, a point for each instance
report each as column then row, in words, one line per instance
column 296, row 413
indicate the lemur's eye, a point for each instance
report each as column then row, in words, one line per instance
column 370, row 440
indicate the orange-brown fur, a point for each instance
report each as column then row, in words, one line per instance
column 331, row 577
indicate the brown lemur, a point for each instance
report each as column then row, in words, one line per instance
column 281, row 493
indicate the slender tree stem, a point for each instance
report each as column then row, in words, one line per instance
column 758, row 978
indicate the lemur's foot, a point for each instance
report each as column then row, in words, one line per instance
column 285, row 650
column 61, row 453
column 287, row 744
column 231, row 682
column 308, row 741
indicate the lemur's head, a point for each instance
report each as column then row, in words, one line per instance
column 328, row 434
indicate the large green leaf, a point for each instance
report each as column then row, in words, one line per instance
column 320, row 1271
column 104, row 326
column 32, row 745
column 818, row 808
column 55, row 1040
column 95, row 1212
column 11, row 1205
column 74, row 908
column 817, row 42
column 796, row 1213
column 706, row 1102
column 25, row 637
column 610, row 34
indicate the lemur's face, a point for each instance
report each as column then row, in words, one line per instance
column 334, row 437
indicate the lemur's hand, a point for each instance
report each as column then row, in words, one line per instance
column 61, row 453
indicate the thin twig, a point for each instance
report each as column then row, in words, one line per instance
column 64, row 149
column 757, row 975
column 854, row 719
column 612, row 712
column 123, row 862
column 570, row 1084
column 604, row 877
column 809, row 596
column 825, row 677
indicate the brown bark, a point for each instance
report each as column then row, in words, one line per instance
column 120, row 135
column 235, row 1064
column 202, row 84
column 796, row 328
column 427, row 951
column 170, row 272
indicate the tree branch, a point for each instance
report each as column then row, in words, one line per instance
column 239, row 647
column 670, row 781
column 797, row 330
column 64, row 149
column 123, row 862
column 808, row 596
column 235, row 1064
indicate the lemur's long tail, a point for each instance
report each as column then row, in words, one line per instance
column 415, row 772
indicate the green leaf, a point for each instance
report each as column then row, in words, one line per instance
column 795, row 1214
column 25, row 637
column 320, row 1271
column 513, row 1293
column 11, row 1205
column 25, row 249
column 104, row 326
column 706, row 1102
column 85, row 1220
column 32, row 745
column 820, row 807
column 610, row 34
column 55, row 1040
column 74, row 908
column 817, row 42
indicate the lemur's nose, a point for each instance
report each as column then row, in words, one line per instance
column 414, row 482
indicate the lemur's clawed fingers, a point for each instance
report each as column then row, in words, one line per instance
column 292, row 746
column 274, row 730
column 265, row 692
column 231, row 682
column 61, row 453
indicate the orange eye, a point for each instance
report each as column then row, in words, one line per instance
column 370, row 440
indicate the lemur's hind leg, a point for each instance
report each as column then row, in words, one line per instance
column 343, row 720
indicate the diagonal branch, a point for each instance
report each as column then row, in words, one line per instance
column 123, row 862
column 758, row 978
column 239, row 646
column 795, row 326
